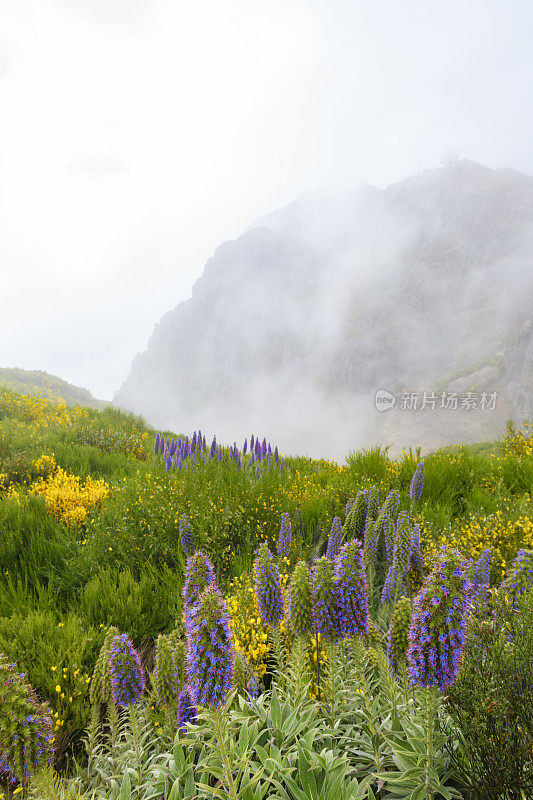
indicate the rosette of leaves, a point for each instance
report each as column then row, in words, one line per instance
column 199, row 574
column 26, row 737
column 100, row 688
column 186, row 535
column 168, row 667
column 335, row 539
column 210, row 653
column 398, row 639
column 351, row 590
column 268, row 587
column 356, row 519
column 437, row 632
column 324, row 596
column 125, row 672
column 300, row 612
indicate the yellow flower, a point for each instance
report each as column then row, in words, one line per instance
column 58, row 688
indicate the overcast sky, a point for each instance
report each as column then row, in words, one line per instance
column 137, row 135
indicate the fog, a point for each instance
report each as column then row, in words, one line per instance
column 136, row 137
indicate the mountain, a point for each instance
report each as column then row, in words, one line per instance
column 42, row 384
column 425, row 286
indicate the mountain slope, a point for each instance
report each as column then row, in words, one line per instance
column 293, row 327
column 42, row 384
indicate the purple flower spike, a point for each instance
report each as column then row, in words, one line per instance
column 125, row 672
column 252, row 443
column 481, row 580
column 284, row 540
column 268, row 587
column 351, row 590
column 199, row 574
column 264, row 448
column 186, row 711
column 276, row 454
column 437, row 631
column 156, row 445
column 417, row 483
column 210, row 653
column 325, row 613
column 245, row 447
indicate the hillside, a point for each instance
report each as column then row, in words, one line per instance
column 41, row 384
column 424, row 286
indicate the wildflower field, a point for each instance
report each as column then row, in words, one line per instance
column 182, row 618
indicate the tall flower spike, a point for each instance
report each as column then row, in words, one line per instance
column 437, row 631
column 268, row 587
column 168, row 667
column 210, row 654
column 100, row 688
column 401, row 558
column 351, row 589
column 300, row 613
column 398, row 640
column 356, row 519
column 156, row 445
column 519, row 576
column 335, row 539
column 284, row 540
column 373, row 503
column 324, row 594
column 26, row 737
column 371, row 541
column 199, row 574
column 186, row 535
column 186, row 711
column 125, row 672
column 417, row 483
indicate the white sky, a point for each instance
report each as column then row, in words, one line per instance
column 137, row 136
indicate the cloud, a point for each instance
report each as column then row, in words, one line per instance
column 98, row 164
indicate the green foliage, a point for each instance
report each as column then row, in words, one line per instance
column 491, row 702
column 169, row 668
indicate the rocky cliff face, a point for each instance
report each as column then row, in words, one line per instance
column 426, row 286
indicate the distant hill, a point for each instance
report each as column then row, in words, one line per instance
column 41, row 384
column 425, row 286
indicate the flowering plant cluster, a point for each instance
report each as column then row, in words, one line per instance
column 268, row 587
column 68, row 498
column 26, row 737
column 437, row 632
column 249, row 633
column 210, row 654
column 176, row 451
